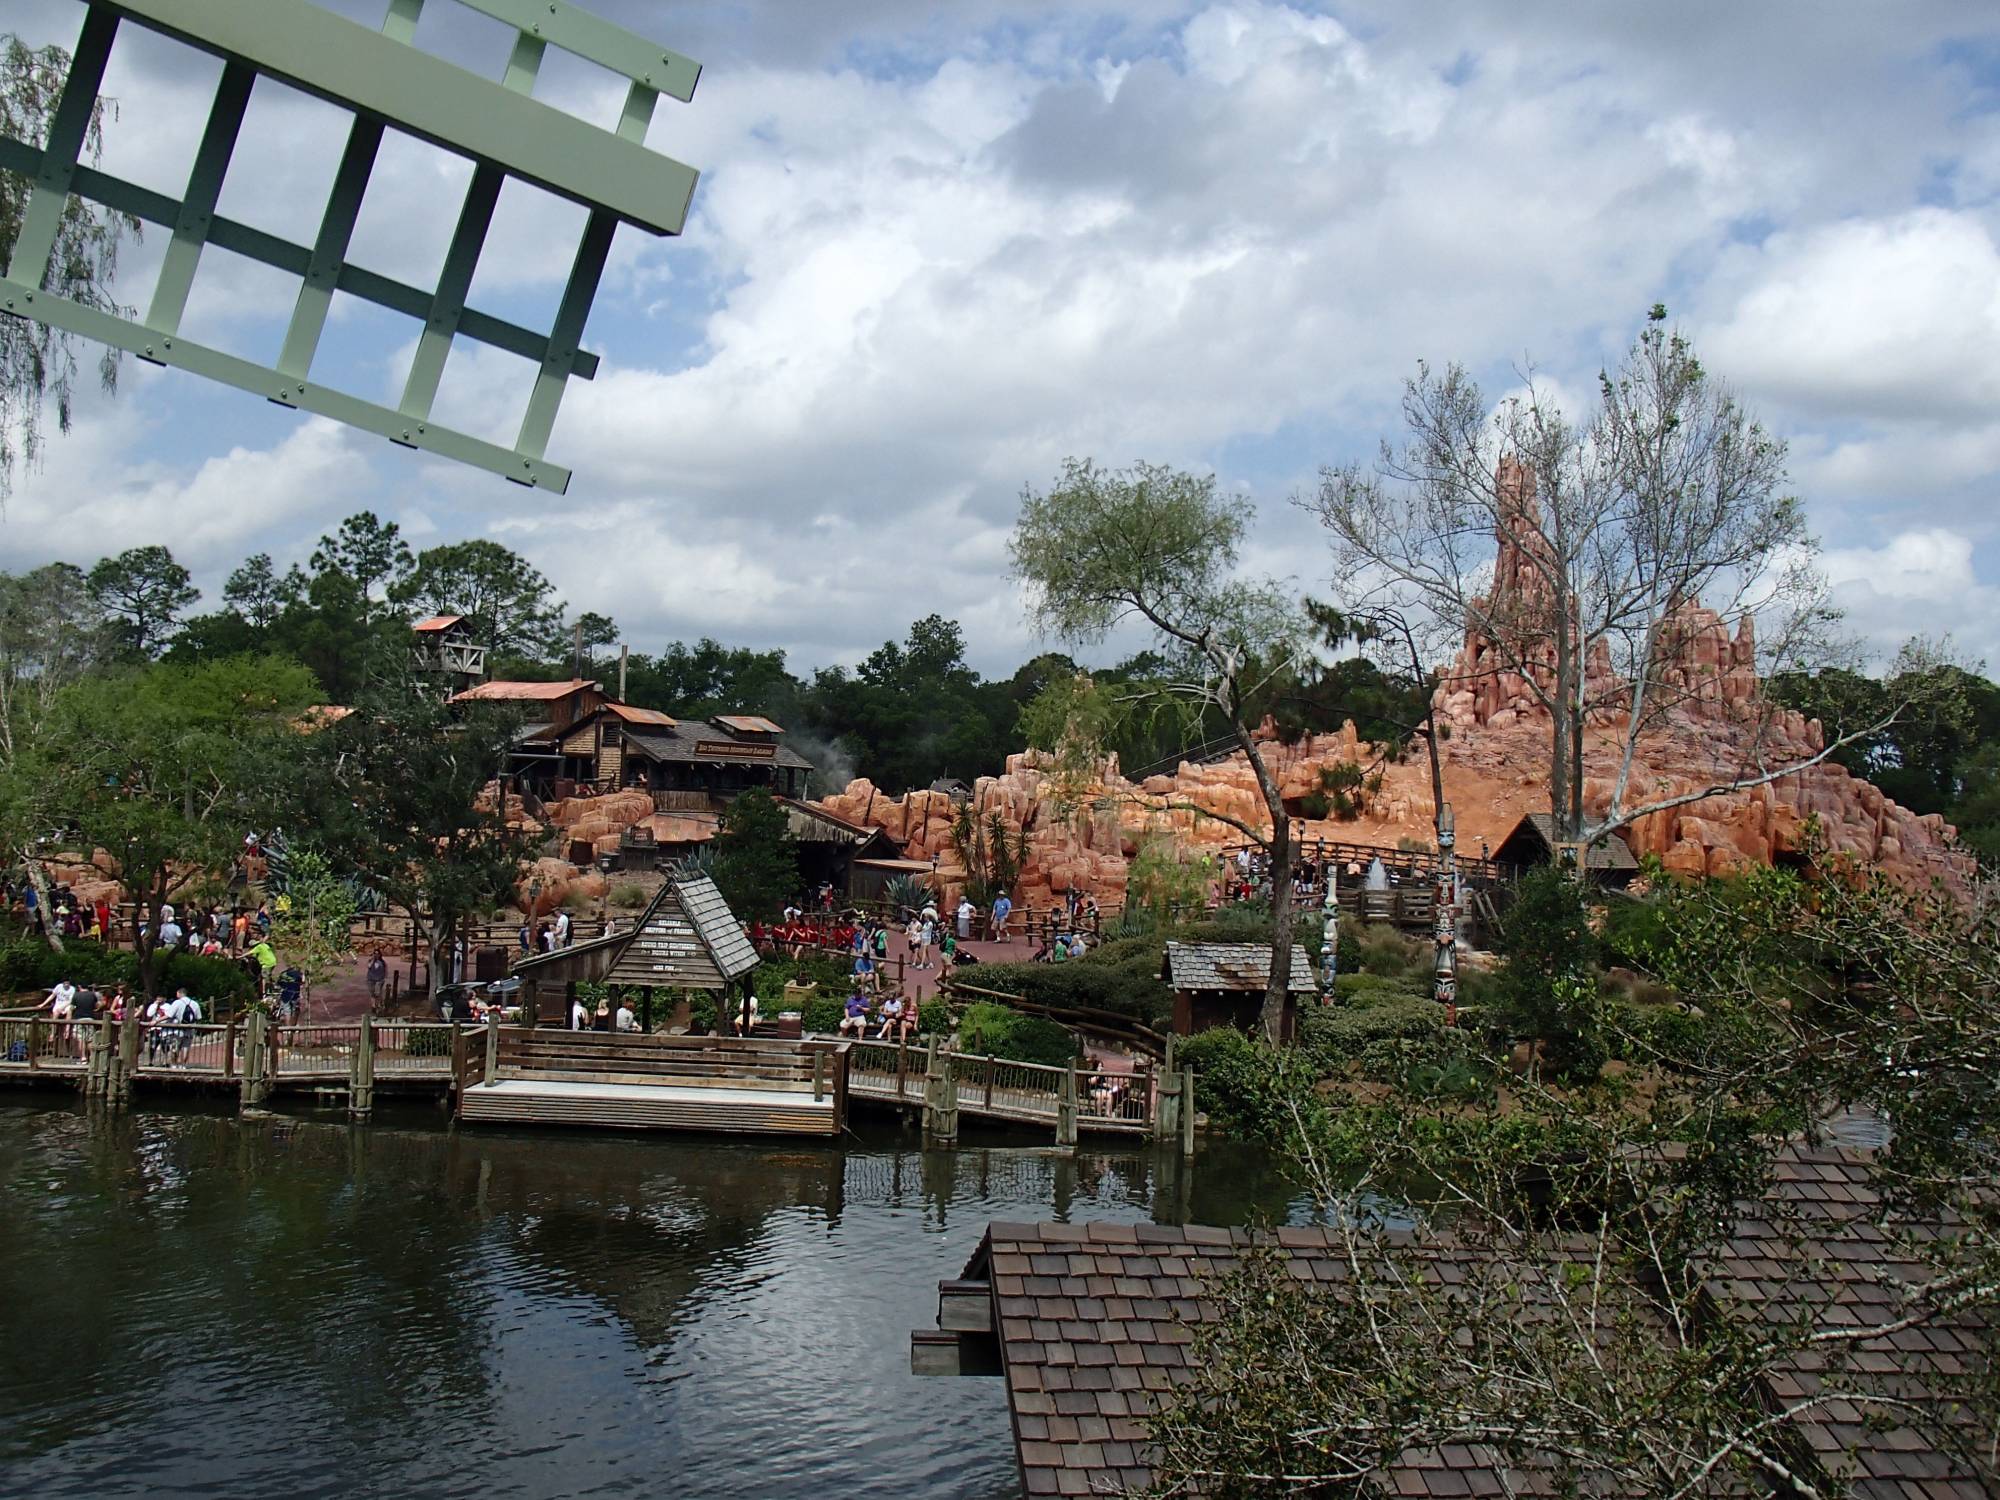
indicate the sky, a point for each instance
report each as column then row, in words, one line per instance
column 937, row 249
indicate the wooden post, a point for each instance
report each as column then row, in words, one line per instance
column 819, row 1074
column 1187, row 1112
column 34, row 1043
column 989, row 1081
column 902, row 1065
column 229, row 1050
column 1066, row 1109
column 254, row 1060
column 492, row 1045
column 97, row 1058
column 1167, row 1109
column 128, row 1056
column 361, row 1082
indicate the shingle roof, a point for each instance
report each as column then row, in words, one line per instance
column 720, row 932
column 680, row 743
column 1093, row 1324
column 1244, row 967
column 1609, row 853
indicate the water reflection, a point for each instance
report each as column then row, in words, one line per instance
column 192, row 1303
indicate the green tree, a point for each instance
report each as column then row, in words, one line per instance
column 254, row 592
column 512, row 608
column 166, row 767
column 1159, row 547
column 313, row 922
column 145, row 591
column 38, row 364
column 371, row 552
column 756, row 866
column 401, row 798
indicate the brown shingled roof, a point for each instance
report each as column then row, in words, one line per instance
column 1092, row 1325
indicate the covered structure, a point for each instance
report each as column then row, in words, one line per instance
column 696, row 765
column 1533, row 843
column 1089, row 1325
column 1223, row 984
column 443, row 648
column 857, row 862
column 686, row 939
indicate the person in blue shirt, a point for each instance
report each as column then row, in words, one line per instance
column 864, row 970
column 1003, row 908
column 856, row 1018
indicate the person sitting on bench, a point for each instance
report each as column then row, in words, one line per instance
column 736, row 1017
column 892, row 1016
column 855, row 1019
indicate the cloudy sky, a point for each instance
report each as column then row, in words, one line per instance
column 937, row 248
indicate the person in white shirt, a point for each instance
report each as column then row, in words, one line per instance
column 736, row 1015
column 562, row 929
column 579, row 1018
column 170, row 933
column 155, row 1017
column 185, row 1013
column 964, row 918
column 625, row 1020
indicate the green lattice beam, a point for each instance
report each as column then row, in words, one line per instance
column 384, row 82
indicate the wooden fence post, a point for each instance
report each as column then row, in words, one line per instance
column 819, row 1074
column 940, row 1096
column 1187, row 1112
column 1066, row 1109
column 34, row 1043
column 128, row 1056
column 492, row 1045
column 1167, row 1109
column 361, row 1080
column 989, row 1081
column 97, row 1058
column 255, row 1059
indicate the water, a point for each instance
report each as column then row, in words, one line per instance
column 192, row 1304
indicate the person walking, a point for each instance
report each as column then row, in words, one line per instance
column 378, row 980
column 1003, row 908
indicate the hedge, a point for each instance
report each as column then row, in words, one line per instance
column 995, row 1031
column 29, row 964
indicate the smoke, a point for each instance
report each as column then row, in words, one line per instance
column 832, row 762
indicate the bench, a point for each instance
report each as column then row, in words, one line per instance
column 635, row 1081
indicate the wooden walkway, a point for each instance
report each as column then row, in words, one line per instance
column 997, row 1088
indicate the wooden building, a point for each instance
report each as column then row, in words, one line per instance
column 444, row 649
column 1533, row 843
column 686, row 939
column 856, row 861
column 695, row 764
column 1222, row 984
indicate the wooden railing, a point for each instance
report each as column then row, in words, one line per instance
column 1001, row 1088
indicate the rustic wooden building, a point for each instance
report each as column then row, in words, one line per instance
column 444, row 650
column 691, row 764
column 1222, row 984
column 686, row 939
column 856, row 861
column 1533, row 843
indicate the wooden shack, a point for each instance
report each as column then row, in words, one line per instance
column 686, row 939
column 1533, row 843
column 1223, row 984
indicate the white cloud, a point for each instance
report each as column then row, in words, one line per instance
column 1919, row 582
column 1872, row 318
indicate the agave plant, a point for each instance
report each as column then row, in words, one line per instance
column 907, row 892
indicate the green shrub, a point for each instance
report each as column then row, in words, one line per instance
column 217, row 982
column 701, row 1013
column 1363, row 990
column 426, row 1041
column 1247, row 1087
column 1381, row 949
column 993, row 1030
column 822, row 1013
column 1335, row 1036
column 627, row 895
column 934, row 1018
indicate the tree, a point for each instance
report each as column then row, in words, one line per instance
column 756, row 866
column 369, row 551
column 1562, row 1284
column 401, row 798
column 1160, row 547
column 253, row 591
column 511, row 607
column 1614, row 532
column 51, row 633
column 313, row 921
column 38, row 364
column 166, row 767
column 146, row 590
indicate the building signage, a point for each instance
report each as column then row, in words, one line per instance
column 731, row 750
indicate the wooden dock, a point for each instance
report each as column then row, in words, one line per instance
column 635, row 1081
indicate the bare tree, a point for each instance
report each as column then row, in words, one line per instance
column 1621, row 538
column 1159, row 546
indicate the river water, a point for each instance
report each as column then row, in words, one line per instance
column 196, row 1304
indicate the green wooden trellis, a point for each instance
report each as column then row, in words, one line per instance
column 383, row 81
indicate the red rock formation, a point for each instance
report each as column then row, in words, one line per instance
column 1495, row 771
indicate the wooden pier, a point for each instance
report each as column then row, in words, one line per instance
column 635, row 1081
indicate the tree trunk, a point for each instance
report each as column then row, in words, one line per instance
column 1271, row 1017
column 443, row 929
column 38, row 878
column 146, row 939
column 1561, row 748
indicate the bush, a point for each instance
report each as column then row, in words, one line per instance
column 822, row 1013
column 1363, row 990
column 627, row 895
column 701, row 1013
column 1381, row 949
column 993, row 1030
column 211, row 980
column 1247, row 1087
column 1335, row 1036
column 934, row 1018
column 426, row 1041
column 30, row 964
